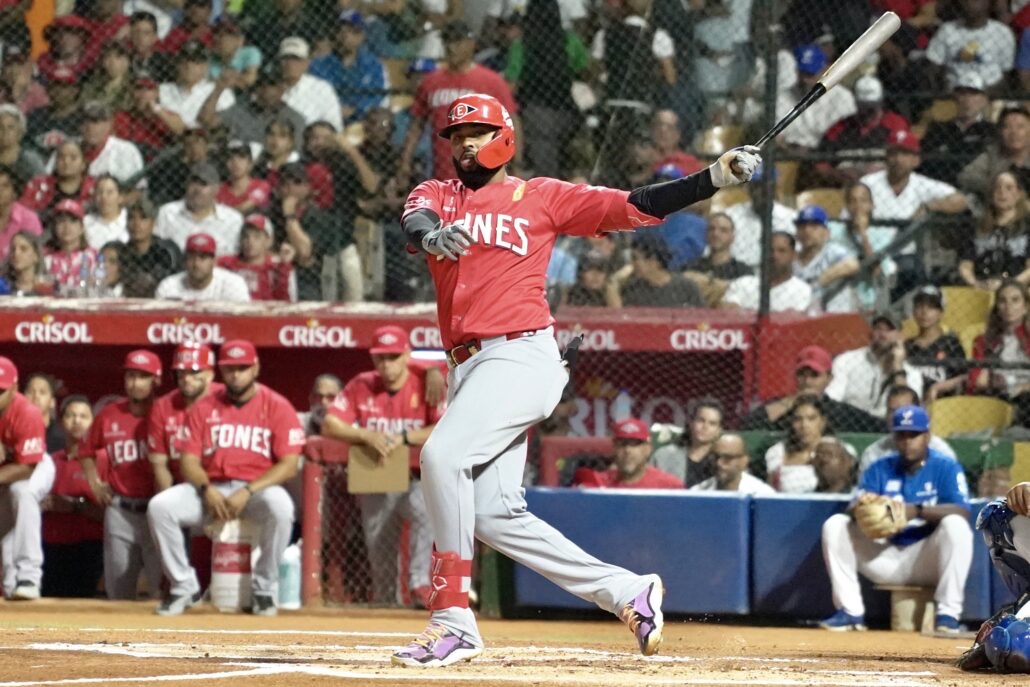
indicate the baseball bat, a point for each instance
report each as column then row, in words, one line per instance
column 866, row 44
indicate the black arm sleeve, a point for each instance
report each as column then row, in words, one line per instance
column 417, row 224
column 659, row 200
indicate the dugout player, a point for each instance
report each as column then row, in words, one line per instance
column 238, row 447
column 488, row 239
column 114, row 459
column 383, row 409
column 26, row 475
column 194, row 367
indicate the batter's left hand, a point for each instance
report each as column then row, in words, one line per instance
column 237, row 501
column 736, row 166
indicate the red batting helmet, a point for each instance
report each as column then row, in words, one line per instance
column 194, row 357
column 477, row 108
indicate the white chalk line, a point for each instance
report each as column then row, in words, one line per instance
column 258, row 671
column 180, row 630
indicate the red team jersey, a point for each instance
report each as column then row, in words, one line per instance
column 242, row 442
column 439, row 89
column 499, row 287
column 124, row 437
column 270, row 281
column 70, row 528
column 164, row 426
column 22, row 432
column 258, row 192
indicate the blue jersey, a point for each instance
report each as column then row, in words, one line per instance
column 940, row 480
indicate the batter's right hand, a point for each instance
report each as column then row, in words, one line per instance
column 450, row 240
column 216, row 505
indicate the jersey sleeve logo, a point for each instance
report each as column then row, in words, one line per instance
column 32, row 445
column 296, row 436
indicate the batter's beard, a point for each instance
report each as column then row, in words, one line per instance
column 477, row 177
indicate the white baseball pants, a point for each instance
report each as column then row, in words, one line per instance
column 21, row 526
column 941, row 560
column 472, row 469
column 381, row 518
column 128, row 550
column 270, row 511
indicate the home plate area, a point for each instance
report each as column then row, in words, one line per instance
column 69, row 643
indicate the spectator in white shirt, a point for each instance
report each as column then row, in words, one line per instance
column 198, row 212
column 821, row 264
column 202, row 280
column 107, row 222
column 186, row 95
column 108, row 153
column 314, row 98
column 786, row 292
column 808, row 129
column 731, row 461
column 975, row 43
column 747, row 236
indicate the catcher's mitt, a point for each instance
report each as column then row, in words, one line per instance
column 879, row 516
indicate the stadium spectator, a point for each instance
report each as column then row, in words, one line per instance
column 974, row 44
column 684, row 231
column 459, row 73
column 314, row 98
column 747, row 224
column 69, row 259
column 107, row 153
column 73, row 522
column 951, row 145
column 69, row 180
column 898, row 396
column 143, row 39
column 999, row 247
column 15, row 216
column 24, row 162
column 573, row 15
column 16, row 73
column 50, row 125
column 825, row 266
column 667, row 139
column 864, row 134
column 834, row 467
column 201, row 279
column 357, row 75
column 230, row 53
column 812, row 375
column 25, row 270
column 788, row 463
column 66, row 37
column 195, row 25
column 1005, row 340
column 690, row 458
column 324, row 391
column 647, row 282
column 630, row 468
column 279, row 149
column 107, row 221
column 111, row 82
column 1023, row 60
column 786, row 291
column 274, row 22
column 722, row 34
column 110, row 256
column 198, row 212
column 169, row 175
column 936, row 498
column 730, row 464
column 240, row 190
column 590, row 288
column 248, row 119
column 146, row 259
column 808, row 129
column 268, row 277
column 937, row 354
column 338, row 171
column 1010, row 152
column 862, row 376
column 186, row 95
column 562, row 271
column 110, row 25
column 146, row 123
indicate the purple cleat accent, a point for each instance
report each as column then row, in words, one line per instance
column 436, row 647
column 644, row 617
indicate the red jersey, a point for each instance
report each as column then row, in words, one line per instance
column 272, row 280
column 22, row 432
column 70, row 528
column 439, row 89
column 499, row 287
column 147, row 131
column 173, row 42
column 258, row 192
column 320, row 178
column 653, row 478
column 124, row 437
column 165, row 426
column 242, row 442
column 41, row 193
column 366, row 402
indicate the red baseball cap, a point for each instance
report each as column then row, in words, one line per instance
column 193, row 356
column 143, row 360
column 69, row 207
column 238, row 352
column 258, row 221
column 815, row 358
column 201, row 243
column 632, row 428
column 904, row 139
column 8, row 374
column 389, row 339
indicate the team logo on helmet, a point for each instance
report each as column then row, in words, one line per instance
column 460, row 111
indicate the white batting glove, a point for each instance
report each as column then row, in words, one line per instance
column 447, row 241
column 745, row 159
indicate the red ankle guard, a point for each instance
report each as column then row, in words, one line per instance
column 446, row 575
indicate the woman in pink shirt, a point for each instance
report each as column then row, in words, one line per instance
column 68, row 252
column 14, row 216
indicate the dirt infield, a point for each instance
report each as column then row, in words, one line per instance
column 106, row 643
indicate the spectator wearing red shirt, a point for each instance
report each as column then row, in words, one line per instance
column 125, row 487
column 666, row 135
column 73, row 521
column 630, row 468
column 268, row 277
column 68, row 182
column 240, row 445
column 459, row 75
column 109, row 25
column 67, row 37
column 195, row 26
column 241, row 190
column 68, row 255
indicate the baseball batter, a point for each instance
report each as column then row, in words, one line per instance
column 114, row 459
column 238, row 447
column 489, row 237
column 26, row 475
column 383, row 409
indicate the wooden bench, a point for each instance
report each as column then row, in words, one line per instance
column 912, row 608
